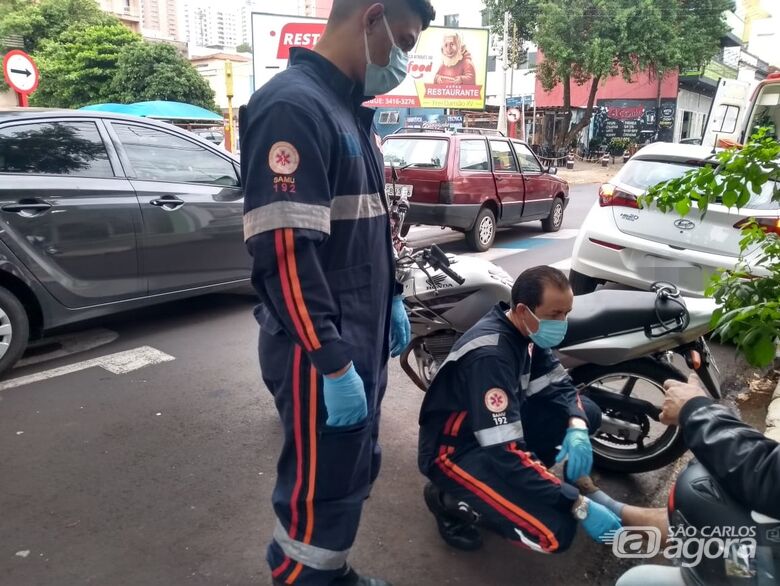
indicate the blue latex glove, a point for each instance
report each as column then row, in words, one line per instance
column 601, row 523
column 400, row 328
column 577, row 449
column 345, row 399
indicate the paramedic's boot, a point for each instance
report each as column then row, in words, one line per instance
column 456, row 521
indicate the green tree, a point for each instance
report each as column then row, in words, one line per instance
column 587, row 41
column 522, row 23
column 156, row 71
column 37, row 22
column 522, row 17
column 749, row 295
column 77, row 67
column 244, row 48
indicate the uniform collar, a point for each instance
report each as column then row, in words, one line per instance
column 326, row 72
column 500, row 312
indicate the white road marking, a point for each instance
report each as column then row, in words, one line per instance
column 71, row 344
column 118, row 363
column 494, row 253
column 566, row 234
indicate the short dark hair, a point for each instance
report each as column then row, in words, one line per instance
column 344, row 8
column 530, row 285
column 424, row 10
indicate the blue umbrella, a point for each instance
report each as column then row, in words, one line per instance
column 159, row 109
column 113, row 108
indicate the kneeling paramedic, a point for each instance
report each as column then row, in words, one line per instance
column 316, row 223
column 500, row 411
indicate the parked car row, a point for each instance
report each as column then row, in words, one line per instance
column 101, row 213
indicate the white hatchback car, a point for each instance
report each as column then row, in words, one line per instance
column 623, row 244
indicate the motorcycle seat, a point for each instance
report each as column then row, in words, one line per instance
column 608, row 312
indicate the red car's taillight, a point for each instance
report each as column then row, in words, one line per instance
column 768, row 225
column 609, row 195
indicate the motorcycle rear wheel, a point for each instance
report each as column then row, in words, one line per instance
column 667, row 448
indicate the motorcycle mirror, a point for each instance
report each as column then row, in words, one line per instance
column 439, row 256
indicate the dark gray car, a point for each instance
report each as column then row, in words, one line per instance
column 101, row 213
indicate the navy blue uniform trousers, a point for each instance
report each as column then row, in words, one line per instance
column 465, row 471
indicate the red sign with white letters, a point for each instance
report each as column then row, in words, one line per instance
column 299, row 34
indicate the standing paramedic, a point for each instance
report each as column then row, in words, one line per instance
column 316, row 224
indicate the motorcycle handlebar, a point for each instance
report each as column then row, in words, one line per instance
column 452, row 275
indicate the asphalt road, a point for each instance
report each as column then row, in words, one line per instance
column 141, row 451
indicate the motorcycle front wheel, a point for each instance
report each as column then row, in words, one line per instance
column 613, row 388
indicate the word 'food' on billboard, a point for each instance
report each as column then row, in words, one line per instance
column 447, row 69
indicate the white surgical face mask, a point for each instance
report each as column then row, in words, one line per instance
column 381, row 80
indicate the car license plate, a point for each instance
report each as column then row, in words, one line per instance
column 400, row 190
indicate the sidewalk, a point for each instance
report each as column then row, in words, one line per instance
column 589, row 172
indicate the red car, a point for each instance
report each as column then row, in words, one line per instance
column 473, row 183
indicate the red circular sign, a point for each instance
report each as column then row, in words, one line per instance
column 20, row 72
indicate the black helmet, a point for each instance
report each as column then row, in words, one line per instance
column 715, row 535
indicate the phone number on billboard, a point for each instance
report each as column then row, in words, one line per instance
column 393, row 101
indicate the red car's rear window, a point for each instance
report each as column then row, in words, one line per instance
column 419, row 153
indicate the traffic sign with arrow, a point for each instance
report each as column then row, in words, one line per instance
column 21, row 74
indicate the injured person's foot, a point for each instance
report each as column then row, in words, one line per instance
column 646, row 517
column 629, row 515
column 589, row 489
column 586, row 485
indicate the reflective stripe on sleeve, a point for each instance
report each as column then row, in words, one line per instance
column 502, row 434
column 356, row 207
column 481, row 342
column 286, row 214
column 311, row 556
column 556, row 375
column 525, row 380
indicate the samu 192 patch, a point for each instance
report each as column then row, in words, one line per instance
column 283, row 158
column 496, row 400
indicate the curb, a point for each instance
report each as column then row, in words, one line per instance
column 773, row 416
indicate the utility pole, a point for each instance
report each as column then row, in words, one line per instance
column 522, row 126
column 502, row 121
column 229, row 144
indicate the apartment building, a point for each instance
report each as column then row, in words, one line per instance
column 127, row 11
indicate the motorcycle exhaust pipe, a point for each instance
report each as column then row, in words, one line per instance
column 409, row 369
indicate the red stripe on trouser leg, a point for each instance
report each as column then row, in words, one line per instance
column 458, row 423
column 280, row 570
column 296, row 389
column 528, row 462
column 506, row 509
column 450, row 421
column 309, row 419
column 313, row 379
